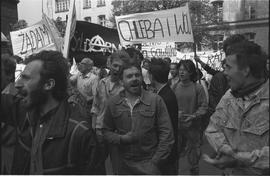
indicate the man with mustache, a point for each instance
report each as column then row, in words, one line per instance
column 138, row 123
column 53, row 137
column 239, row 128
column 106, row 88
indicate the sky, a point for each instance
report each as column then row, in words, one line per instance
column 30, row 11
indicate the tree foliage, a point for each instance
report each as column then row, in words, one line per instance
column 202, row 13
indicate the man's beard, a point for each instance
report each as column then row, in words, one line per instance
column 38, row 97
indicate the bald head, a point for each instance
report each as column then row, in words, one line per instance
column 87, row 61
column 86, row 65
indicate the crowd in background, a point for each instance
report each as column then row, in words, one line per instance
column 142, row 115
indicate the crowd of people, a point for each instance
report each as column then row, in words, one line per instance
column 140, row 115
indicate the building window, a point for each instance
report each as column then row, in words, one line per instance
column 218, row 42
column 100, row 3
column 219, row 10
column 250, row 36
column 88, row 19
column 251, row 12
column 61, row 5
column 102, row 20
column 86, row 4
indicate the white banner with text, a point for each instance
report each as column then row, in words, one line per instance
column 32, row 40
column 172, row 25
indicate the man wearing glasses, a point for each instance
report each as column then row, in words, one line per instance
column 85, row 81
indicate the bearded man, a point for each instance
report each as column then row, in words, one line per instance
column 52, row 136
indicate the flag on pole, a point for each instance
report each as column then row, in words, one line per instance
column 70, row 29
column 56, row 36
column 3, row 38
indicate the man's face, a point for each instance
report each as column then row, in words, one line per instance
column 116, row 67
column 234, row 75
column 184, row 75
column 132, row 80
column 30, row 86
column 85, row 66
column 173, row 70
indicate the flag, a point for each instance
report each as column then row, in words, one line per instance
column 3, row 38
column 70, row 29
column 94, row 41
column 56, row 36
column 74, row 69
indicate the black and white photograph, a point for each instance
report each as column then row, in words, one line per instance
column 135, row 87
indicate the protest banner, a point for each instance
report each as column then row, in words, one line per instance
column 94, row 41
column 172, row 25
column 159, row 49
column 32, row 40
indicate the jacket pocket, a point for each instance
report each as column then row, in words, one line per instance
column 147, row 119
column 117, row 117
column 117, row 114
column 147, row 114
column 258, row 129
column 230, row 126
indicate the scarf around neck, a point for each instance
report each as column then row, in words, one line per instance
column 248, row 89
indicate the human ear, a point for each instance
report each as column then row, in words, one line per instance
column 49, row 85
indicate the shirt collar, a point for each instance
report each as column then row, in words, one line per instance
column 143, row 98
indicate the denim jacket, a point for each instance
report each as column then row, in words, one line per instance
column 150, row 122
column 244, row 126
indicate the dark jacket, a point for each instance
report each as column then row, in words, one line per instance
column 170, row 101
column 151, row 128
column 218, row 87
column 60, row 144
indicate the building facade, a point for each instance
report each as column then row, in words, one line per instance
column 247, row 17
column 94, row 11
column 9, row 15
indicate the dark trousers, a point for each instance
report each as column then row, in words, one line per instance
column 190, row 146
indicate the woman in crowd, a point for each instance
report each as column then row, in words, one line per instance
column 192, row 106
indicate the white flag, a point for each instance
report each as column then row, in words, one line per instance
column 70, row 29
column 56, row 36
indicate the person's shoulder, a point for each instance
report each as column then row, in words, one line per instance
column 115, row 99
column 264, row 92
column 150, row 96
column 198, row 86
column 227, row 98
column 167, row 91
column 77, row 117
